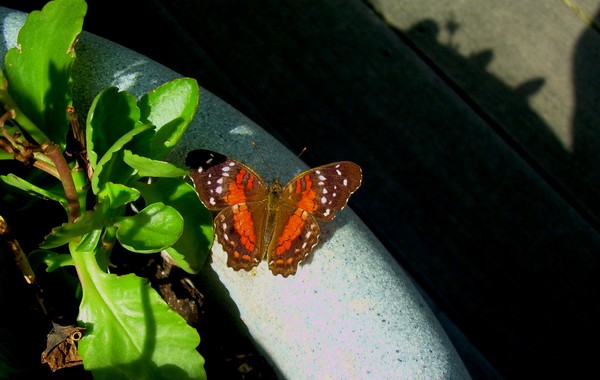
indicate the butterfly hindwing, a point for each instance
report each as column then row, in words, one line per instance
column 296, row 233
column 240, row 230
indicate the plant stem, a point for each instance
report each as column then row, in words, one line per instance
column 53, row 151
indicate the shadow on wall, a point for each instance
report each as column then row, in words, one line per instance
column 586, row 117
column 574, row 174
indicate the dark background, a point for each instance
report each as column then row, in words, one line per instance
column 498, row 228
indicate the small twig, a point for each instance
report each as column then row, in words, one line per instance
column 7, row 115
column 51, row 161
column 79, row 136
column 47, row 167
column 9, row 143
column 14, row 143
column 13, row 245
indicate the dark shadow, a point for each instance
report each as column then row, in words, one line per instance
column 505, row 109
column 573, row 175
column 225, row 339
column 586, row 117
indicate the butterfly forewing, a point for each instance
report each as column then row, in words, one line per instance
column 324, row 190
column 222, row 182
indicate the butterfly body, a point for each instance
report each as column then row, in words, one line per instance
column 257, row 220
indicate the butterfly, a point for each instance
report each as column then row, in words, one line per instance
column 256, row 219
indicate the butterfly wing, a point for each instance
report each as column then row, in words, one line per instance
column 222, row 182
column 316, row 193
column 324, row 190
column 240, row 230
column 241, row 195
column 296, row 233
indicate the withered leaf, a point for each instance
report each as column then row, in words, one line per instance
column 61, row 347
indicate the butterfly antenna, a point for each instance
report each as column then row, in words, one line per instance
column 301, row 152
column 265, row 163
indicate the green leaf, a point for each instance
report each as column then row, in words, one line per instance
column 52, row 260
column 147, row 167
column 4, row 155
column 131, row 332
column 39, row 68
column 112, row 114
column 91, row 241
column 117, row 195
column 192, row 248
column 151, row 230
column 170, row 107
column 86, row 223
column 111, row 167
column 32, row 190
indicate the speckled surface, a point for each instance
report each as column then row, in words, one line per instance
column 350, row 311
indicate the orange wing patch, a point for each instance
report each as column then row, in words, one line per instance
column 237, row 231
column 296, row 233
column 308, row 196
column 243, row 224
column 291, row 231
